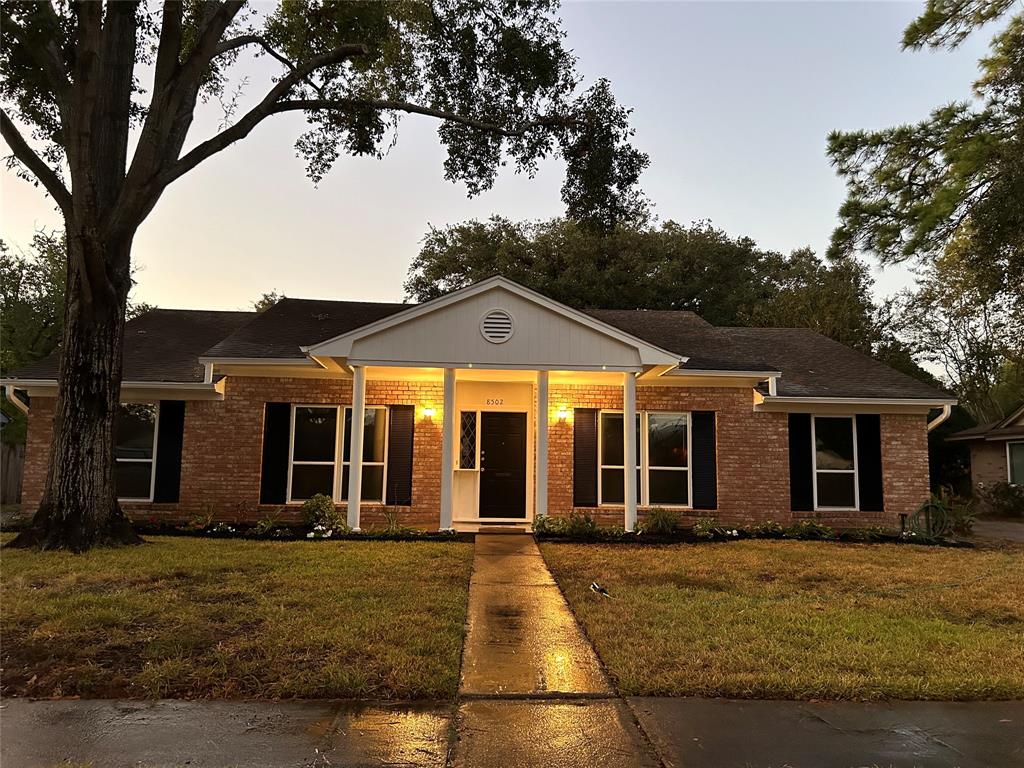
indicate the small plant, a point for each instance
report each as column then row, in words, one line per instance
column 392, row 525
column 546, row 525
column 660, row 522
column 268, row 524
column 201, row 520
column 580, row 525
column 768, row 529
column 1001, row 499
column 320, row 512
column 222, row 529
column 809, row 530
column 706, row 528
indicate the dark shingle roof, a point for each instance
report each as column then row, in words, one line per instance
column 165, row 345
column 161, row 345
column 293, row 323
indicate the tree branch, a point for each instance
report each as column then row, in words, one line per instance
column 257, row 114
column 46, row 175
column 244, row 40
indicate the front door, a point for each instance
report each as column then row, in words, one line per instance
column 502, row 464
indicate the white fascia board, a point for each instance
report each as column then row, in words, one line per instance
column 761, row 375
column 467, row 365
column 341, row 346
column 192, row 390
column 890, row 404
column 260, row 361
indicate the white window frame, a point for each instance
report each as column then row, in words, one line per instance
column 291, row 449
column 345, row 464
column 152, row 470
column 1009, row 465
column 855, row 471
column 643, row 491
column 645, row 474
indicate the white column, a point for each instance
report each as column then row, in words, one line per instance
column 355, row 466
column 447, row 449
column 629, row 448
column 540, row 482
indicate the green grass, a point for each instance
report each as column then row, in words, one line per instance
column 800, row 620
column 189, row 617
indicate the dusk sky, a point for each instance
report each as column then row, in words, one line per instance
column 733, row 102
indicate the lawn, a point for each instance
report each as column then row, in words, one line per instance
column 189, row 617
column 801, row 620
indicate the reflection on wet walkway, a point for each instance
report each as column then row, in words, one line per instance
column 522, row 639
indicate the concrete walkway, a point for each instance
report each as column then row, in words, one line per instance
column 533, row 691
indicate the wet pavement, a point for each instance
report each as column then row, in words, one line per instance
column 201, row 734
column 523, row 640
column 722, row 733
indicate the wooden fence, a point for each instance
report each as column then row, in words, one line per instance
column 12, row 462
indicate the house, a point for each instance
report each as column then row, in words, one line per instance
column 997, row 450
column 496, row 404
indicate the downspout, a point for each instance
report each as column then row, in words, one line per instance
column 946, row 411
column 16, row 401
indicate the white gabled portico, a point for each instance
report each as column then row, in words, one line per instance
column 495, row 347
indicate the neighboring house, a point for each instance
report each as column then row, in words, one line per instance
column 496, row 404
column 997, row 450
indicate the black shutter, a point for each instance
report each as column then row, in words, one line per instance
column 584, row 457
column 166, row 488
column 869, row 462
column 277, row 426
column 704, row 460
column 400, row 434
column 801, row 463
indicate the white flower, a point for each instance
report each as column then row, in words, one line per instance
column 309, row 535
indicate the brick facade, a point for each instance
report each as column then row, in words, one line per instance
column 222, row 452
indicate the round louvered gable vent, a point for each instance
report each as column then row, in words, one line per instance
column 497, row 326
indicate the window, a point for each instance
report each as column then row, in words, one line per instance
column 835, row 462
column 467, row 440
column 135, row 451
column 314, row 451
column 662, row 459
column 375, row 442
column 1015, row 463
column 668, row 458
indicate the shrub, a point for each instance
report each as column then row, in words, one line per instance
column 319, row 512
column 546, row 525
column 769, row 529
column 1001, row 499
column 577, row 525
column 580, row 525
column 660, row 522
column 267, row 525
column 809, row 530
column 706, row 528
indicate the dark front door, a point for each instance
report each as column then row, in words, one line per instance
column 502, row 464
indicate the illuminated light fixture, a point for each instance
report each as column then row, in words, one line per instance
column 470, row 365
column 604, row 367
column 562, row 413
column 428, row 412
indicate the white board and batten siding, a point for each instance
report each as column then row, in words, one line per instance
column 454, row 334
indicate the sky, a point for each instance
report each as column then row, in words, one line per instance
column 732, row 101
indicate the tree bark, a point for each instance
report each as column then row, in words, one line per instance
column 79, row 508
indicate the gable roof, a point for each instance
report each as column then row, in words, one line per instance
column 651, row 354
column 161, row 345
column 1009, row 427
column 168, row 345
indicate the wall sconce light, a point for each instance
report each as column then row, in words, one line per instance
column 428, row 412
column 562, row 413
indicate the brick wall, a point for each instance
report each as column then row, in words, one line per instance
column 222, row 448
column 222, row 452
column 988, row 462
column 753, row 449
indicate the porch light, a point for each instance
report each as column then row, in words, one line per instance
column 428, row 412
column 562, row 413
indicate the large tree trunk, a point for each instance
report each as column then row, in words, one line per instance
column 79, row 508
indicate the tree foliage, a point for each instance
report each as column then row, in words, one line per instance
column 727, row 280
column 914, row 189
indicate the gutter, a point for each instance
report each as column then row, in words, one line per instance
column 16, row 401
column 946, row 411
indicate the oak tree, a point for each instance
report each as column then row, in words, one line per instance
column 83, row 82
